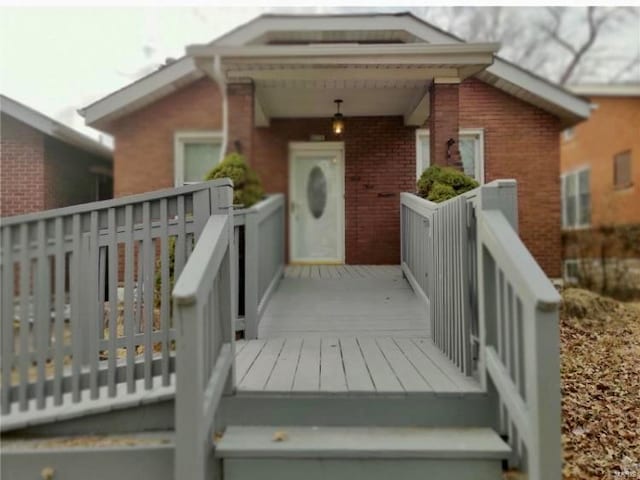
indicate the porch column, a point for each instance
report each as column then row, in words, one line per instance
column 444, row 122
column 241, row 119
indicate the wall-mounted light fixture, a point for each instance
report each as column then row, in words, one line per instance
column 338, row 119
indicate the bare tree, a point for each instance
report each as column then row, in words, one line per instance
column 563, row 44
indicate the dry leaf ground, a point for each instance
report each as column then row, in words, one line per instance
column 600, row 342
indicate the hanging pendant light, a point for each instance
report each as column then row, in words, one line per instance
column 338, row 119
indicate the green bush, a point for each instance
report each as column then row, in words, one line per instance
column 438, row 184
column 247, row 188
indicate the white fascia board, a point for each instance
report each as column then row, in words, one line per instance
column 52, row 128
column 262, row 25
column 573, row 105
column 139, row 90
column 613, row 90
column 447, row 53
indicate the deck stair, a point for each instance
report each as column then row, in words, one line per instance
column 316, row 453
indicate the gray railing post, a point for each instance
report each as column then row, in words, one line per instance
column 222, row 203
column 542, row 356
column 251, row 259
column 501, row 195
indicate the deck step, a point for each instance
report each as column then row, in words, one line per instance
column 316, row 453
column 99, row 457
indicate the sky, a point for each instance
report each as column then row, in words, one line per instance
column 59, row 59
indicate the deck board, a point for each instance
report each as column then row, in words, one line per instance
column 349, row 365
column 260, row 371
column 284, row 370
column 349, row 330
column 355, row 368
column 344, row 300
column 332, row 377
column 307, row 376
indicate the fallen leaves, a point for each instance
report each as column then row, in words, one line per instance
column 600, row 342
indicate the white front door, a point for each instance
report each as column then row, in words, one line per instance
column 316, row 208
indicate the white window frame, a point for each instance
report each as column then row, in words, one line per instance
column 565, row 271
column 575, row 173
column 180, row 138
column 478, row 132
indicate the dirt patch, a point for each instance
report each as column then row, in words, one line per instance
column 600, row 341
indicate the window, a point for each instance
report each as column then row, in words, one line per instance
column 195, row 154
column 622, row 170
column 576, row 199
column 471, row 148
column 571, row 271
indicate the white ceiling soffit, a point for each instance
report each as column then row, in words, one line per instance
column 51, row 127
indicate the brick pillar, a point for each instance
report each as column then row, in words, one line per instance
column 240, row 119
column 444, row 124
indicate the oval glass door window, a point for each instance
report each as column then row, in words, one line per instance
column 317, row 191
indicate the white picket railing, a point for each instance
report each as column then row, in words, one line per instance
column 204, row 298
column 263, row 255
column 64, row 329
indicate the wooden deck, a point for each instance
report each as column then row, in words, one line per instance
column 349, row 365
column 344, row 300
column 346, row 329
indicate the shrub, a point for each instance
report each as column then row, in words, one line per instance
column 438, row 184
column 247, row 188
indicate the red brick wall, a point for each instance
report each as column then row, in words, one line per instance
column 22, row 185
column 379, row 164
column 521, row 142
column 144, row 140
column 240, row 119
column 443, row 124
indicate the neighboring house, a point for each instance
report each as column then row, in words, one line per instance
column 601, row 183
column 410, row 92
column 45, row 164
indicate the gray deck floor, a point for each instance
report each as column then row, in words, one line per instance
column 345, row 329
column 349, row 365
column 344, row 300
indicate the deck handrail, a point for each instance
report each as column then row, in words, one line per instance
column 499, row 295
column 64, row 329
column 204, row 298
column 264, row 256
column 520, row 354
column 437, row 246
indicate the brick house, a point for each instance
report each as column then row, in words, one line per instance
column 600, row 163
column 46, row 165
column 412, row 95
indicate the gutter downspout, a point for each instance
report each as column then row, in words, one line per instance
column 218, row 76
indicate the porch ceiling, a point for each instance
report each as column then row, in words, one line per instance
column 298, row 81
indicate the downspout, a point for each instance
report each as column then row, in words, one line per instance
column 218, row 76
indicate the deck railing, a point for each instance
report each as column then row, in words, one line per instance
column 520, row 354
column 67, row 327
column 263, row 253
column 491, row 303
column 438, row 258
column 204, row 296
